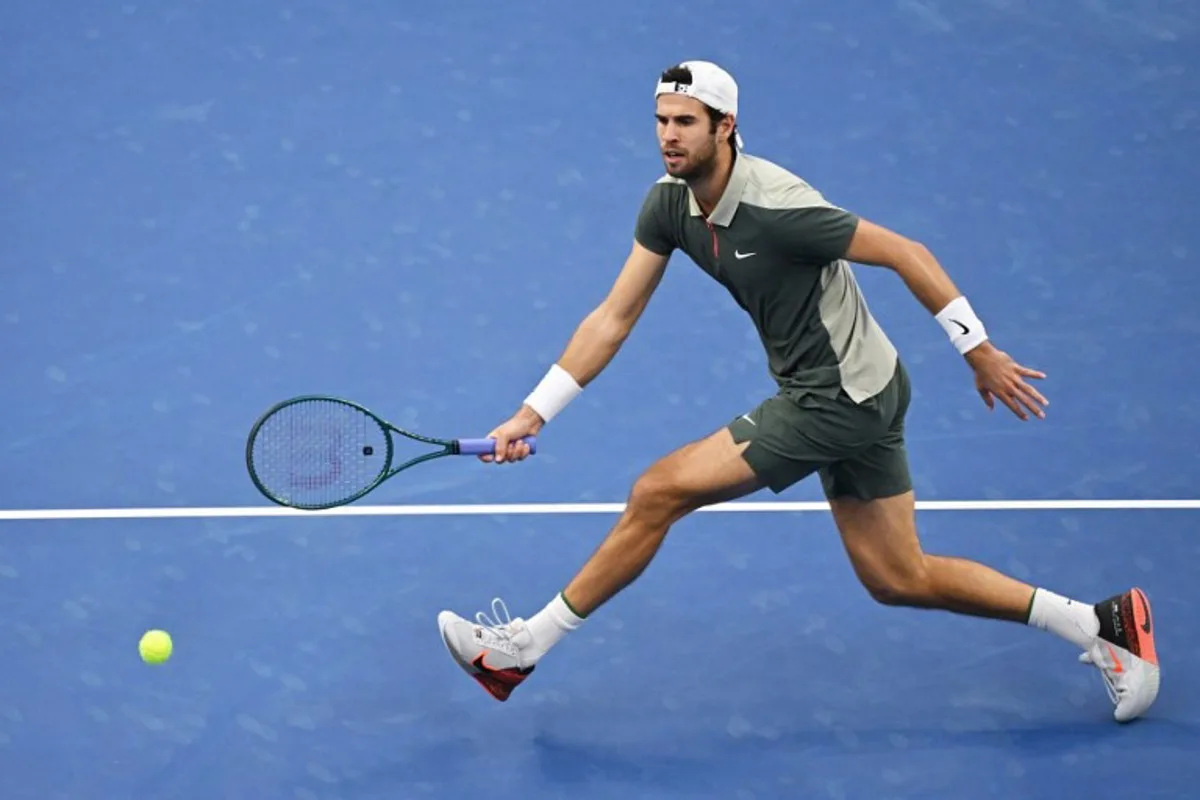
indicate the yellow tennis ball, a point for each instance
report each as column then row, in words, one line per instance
column 155, row 647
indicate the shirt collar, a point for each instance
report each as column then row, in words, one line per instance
column 723, row 214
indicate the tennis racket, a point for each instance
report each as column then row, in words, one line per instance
column 316, row 451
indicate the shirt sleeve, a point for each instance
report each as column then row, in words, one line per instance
column 817, row 235
column 653, row 230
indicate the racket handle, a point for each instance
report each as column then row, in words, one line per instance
column 486, row 447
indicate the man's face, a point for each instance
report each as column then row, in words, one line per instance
column 685, row 137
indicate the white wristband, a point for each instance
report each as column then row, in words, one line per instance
column 965, row 330
column 553, row 394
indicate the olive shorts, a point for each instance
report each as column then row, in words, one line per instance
column 858, row 449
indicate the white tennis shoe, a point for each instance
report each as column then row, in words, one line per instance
column 488, row 650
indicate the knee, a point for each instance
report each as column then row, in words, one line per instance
column 658, row 498
column 909, row 586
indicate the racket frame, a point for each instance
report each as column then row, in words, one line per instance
column 449, row 447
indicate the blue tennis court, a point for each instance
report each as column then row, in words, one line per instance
column 214, row 206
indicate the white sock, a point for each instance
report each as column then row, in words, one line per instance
column 1072, row 620
column 548, row 626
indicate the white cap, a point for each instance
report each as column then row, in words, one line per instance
column 710, row 85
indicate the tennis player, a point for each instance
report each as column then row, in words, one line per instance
column 784, row 253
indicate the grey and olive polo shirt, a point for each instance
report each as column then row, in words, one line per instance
column 778, row 246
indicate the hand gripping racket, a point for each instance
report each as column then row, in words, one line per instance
column 316, row 452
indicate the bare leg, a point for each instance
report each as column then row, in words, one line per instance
column 502, row 653
column 702, row 473
column 1115, row 635
column 881, row 539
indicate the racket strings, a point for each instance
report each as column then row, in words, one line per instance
column 318, row 452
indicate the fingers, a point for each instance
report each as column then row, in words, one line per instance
column 503, row 446
column 1023, row 400
column 1029, row 391
column 1028, row 396
column 511, row 450
column 1003, row 378
column 488, row 458
column 509, row 447
column 518, row 450
column 1030, row 373
column 1013, row 406
column 1033, row 405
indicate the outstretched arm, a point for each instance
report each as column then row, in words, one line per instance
column 996, row 374
column 590, row 349
column 603, row 331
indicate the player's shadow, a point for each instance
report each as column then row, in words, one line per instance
column 565, row 761
column 569, row 759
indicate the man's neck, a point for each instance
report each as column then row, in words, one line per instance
column 708, row 190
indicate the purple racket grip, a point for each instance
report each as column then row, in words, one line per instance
column 486, row 447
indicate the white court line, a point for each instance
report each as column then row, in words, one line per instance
column 570, row 508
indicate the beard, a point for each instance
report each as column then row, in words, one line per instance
column 696, row 166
